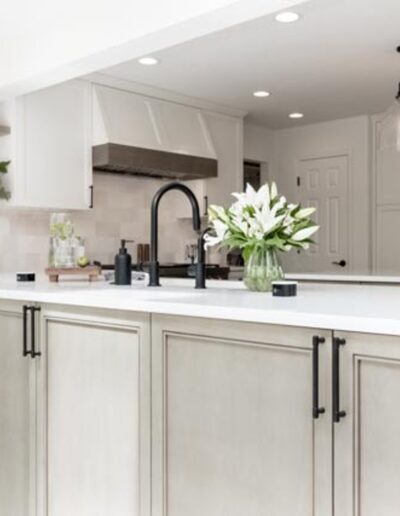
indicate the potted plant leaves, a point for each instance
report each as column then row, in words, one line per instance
column 4, row 193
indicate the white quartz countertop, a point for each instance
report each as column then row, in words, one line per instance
column 343, row 278
column 361, row 308
column 333, row 277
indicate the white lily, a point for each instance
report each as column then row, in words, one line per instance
column 274, row 190
column 304, row 233
column 253, row 198
column 217, row 212
column 305, row 212
column 221, row 229
column 267, row 218
column 260, row 216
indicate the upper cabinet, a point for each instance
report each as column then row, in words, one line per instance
column 48, row 137
column 49, row 147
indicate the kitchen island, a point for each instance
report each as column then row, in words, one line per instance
column 171, row 401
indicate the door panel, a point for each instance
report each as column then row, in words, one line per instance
column 236, row 425
column 94, row 379
column 323, row 185
column 367, row 446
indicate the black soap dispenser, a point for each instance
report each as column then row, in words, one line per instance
column 123, row 265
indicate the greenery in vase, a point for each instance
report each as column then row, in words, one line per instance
column 4, row 193
column 261, row 220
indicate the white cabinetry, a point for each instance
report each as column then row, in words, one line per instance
column 214, row 419
column 233, row 426
column 74, row 419
column 367, row 445
column 50, row 147
column 226, row 133
column 94, row 414
column 17, row 429
column 127, row 118
column 386, row 209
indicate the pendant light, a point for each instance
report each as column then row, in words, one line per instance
column 390, row 125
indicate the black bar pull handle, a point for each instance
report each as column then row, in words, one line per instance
column 33, row 351
column 91, row 201
column 337, row 413
column 25, row 310
column 316, row 341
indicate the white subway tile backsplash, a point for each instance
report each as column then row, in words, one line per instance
column 121, row 210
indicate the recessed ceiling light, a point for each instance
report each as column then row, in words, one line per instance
column 296, row 115
column 287, row 17
column 261, row 94
column 148, row 61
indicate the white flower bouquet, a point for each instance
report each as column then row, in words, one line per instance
column 261, row 223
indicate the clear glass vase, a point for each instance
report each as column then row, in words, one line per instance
column 261, row 269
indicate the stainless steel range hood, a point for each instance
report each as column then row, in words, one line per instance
column 139, row 135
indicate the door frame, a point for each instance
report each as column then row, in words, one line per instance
column 337, row 153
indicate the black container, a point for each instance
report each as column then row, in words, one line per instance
column 123, row 265
column 284, row 288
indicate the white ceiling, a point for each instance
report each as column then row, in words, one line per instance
column 338, row 61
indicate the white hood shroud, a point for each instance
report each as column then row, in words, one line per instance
column 140, row 135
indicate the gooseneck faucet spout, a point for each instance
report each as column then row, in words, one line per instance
column 154, row 266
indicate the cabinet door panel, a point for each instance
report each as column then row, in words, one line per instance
column 55, row 146
column 237, row 428
column 367, row 445
column 15, row 428
column 93, row 377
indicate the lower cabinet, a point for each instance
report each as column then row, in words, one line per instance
column 115, row 413
column 233, row 426
column 367, row 437
column 94, row 414
column 17, row 416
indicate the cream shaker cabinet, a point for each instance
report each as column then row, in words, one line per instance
column 50, row 147
column 110, row 412
column 93, row 414
column 17, row 414
column 367, row 429
column 74, row 412
column 234, row 431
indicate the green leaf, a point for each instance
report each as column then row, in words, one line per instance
column 4, row 166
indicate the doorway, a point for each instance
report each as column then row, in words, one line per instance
column 323, row 183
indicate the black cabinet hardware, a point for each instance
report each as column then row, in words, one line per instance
column 337, row 413
column 205, row 205
column 317, row 410
column 34, row 353
column 26, row 310
column 91, row 204
column 342, row 263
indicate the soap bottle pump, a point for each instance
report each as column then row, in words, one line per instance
column 123, row 265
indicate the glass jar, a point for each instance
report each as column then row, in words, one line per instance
column 61, row 253
column 261, row 269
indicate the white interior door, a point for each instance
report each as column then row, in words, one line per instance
column 322, row 183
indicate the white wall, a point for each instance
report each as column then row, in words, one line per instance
column 258, row 145
column 287, row 146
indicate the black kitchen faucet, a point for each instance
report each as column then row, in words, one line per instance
column 154, row 266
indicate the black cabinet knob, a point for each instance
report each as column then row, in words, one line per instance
column 342, row 263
